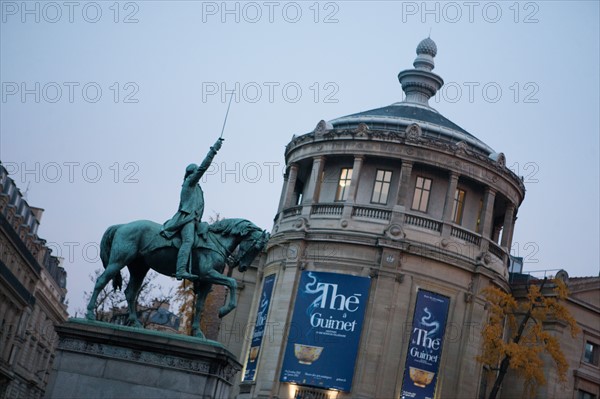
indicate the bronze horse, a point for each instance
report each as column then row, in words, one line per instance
column 139, row 246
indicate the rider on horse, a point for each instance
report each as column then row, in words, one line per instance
column 187, row 220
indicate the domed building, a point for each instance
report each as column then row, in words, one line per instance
column 390, row 223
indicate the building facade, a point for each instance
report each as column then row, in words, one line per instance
column 32, row 297
column 157, row 317
column 407, row 201
column 582, row 352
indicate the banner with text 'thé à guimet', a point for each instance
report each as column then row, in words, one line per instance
column 425, row 346
column 259, row 328
column 325, row 331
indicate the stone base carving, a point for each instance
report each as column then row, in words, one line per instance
column 95, row 359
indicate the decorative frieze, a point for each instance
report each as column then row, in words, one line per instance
column 129, row 354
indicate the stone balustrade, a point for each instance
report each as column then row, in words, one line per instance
column 370, row 218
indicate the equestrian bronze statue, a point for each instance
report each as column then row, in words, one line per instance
column 184, row 247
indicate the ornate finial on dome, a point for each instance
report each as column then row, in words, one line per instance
column 427, row 46
column 420, row 84
column 426, row 50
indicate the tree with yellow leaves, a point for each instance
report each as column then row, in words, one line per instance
column 186, row 298
column 527, row 339
column 209, row 320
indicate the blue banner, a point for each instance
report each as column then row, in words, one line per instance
column 325, row 331
column 259, row 328
column 425, row 348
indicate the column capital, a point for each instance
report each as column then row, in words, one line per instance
column 490, row 190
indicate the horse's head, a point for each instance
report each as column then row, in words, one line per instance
column 250, row 247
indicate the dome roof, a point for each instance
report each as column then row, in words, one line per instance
column 427, row 46
column 399, row 115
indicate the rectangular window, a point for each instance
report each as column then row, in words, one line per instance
column 421, row 197
column 459, row 204
column 585, row 395
column 344, row 182
column 590, row 354
column 381, row 187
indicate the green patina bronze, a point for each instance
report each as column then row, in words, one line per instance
column 187, row 220
column 184, row 246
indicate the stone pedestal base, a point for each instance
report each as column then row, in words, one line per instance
column 101, row 360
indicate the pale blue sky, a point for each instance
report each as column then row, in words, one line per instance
column 543, row 56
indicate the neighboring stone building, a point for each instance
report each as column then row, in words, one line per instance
column 32, row 297
column 408, row 199
column 155, row 317
column 582, row 352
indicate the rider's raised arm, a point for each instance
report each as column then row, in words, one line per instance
column 194, row 178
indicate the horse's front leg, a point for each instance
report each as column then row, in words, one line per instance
column 201, row 290
column 217, row 278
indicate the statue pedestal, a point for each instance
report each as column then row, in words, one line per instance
column 102, row 360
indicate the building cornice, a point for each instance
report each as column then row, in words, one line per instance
column 6, row 227
column 15, row 285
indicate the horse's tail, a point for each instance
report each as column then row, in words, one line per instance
column 105, row 246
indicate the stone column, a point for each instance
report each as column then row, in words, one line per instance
column 487, row 215
column 401, row 198
column 447, row 216
column 14, row 322
column 400, row 194
column 4, row 335
column 487, row 212
column 509, row 222
column 352, row 190
column 313, row 187
column 358, row 161
column 512, row 230
column 291, row 184
column 452, row 183
column 496, row 233
column 283, row 193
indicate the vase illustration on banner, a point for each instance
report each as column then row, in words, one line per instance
column 421, row 378
column 307, row 354
column 254, row 353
